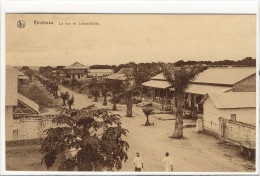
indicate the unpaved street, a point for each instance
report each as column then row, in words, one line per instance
column 195, row 153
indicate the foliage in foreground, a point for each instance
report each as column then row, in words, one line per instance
column 90, row 138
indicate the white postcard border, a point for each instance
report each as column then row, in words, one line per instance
column 116, row 6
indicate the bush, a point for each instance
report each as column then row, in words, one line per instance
column 37, row 95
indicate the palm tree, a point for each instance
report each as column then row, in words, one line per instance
column 64, row 96
column 180, row 79
column 70, row 101
column 116, row 97
column 55, row 89
column 147, row 111
column 73, row 83
column 95, row 93
column 128, row 100
column 104, row 90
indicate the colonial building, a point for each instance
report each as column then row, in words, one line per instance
column 235, row 106
column 212, row 80
column 122, row 75
column 22, row 79
column 16, row 105
column 220, row 80
column 100, row 73
column 158, row 89
column 76, row 71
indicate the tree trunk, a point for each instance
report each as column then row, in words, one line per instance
column 147, row 121
column 178, row 130
column 129, row 106
column 96, row 99
column 69, row 106
column 105, row 101
column 114, row 107
column 64, row 103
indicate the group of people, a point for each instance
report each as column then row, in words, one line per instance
column 167, row 163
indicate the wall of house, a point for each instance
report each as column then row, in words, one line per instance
column 212, row 114
column 247, row 85
column 31, row 127
column 83, row 76
column 9, row 123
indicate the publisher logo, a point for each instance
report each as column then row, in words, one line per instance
column 21, row 24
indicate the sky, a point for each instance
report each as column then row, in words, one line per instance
column 122, row 38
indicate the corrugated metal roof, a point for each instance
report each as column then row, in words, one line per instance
column 157, row 84
column 206, row 89
column 125, row 71
column 31, row 104
column 228, row 76
column 159, row 77
column 101, row 71
column 234, row 100
column 117, row 76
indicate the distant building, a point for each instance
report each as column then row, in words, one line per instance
column 58, row 75
column 100, row 73
column 212, row 80
column 159, row 87
column 122, row 75
column 220, row 80
column 235, row 106
column 76, row 71
column 22, row 79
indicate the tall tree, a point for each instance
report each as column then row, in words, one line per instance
column 180, row 79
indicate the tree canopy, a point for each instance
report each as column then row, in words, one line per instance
column 93, row 138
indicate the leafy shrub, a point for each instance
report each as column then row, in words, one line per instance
column 85, row 148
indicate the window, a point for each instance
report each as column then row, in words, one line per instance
column 78, row 75
column 233, row 117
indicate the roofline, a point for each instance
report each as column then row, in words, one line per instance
column 214, row 84
column 28, row 106
column 245, row 78
column 237, row 108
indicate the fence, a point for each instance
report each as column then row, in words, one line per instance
column 32, row 127
column 237, row 132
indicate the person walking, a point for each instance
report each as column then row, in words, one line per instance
column 139, row 163
column 167, row 162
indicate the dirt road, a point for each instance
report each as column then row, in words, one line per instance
column 195, row 153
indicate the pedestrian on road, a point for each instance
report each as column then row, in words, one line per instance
column 167, row 162
column 139, row 163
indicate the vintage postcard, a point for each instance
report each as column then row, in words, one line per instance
column 130, row 92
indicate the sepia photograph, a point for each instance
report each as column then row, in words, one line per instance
column 130, row 92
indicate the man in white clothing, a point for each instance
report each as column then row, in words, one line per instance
column 139, row 163
column 167, row 162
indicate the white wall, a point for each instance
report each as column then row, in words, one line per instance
column 9, row 123
column 211, row 115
